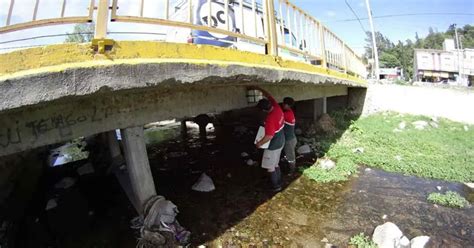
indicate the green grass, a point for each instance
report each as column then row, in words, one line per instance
column 449, row 199
column 362, row 241
column 446, row 152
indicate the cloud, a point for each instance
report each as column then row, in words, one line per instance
column 330, row 13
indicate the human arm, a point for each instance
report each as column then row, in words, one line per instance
column 265, row 94
column 264, row 140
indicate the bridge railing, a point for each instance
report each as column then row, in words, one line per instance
column 275, row 27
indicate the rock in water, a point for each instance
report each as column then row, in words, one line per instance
column 304, row 149
column 204, row 184
column 326, row 163
column 244, row 154
column 404, row 242
column 387, row 235
column 419, row 242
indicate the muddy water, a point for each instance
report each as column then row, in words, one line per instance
column 241, row 212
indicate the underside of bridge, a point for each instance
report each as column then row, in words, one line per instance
column 56, row 93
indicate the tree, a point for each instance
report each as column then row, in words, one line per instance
column 383, row 44
column 390, row 60
column 81, row 33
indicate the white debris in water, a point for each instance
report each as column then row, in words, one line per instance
column 384, row 217
column 387, row 235
column 438, row 187
column 420, row 125
column 419, row 242
column 244, row 154
column 402, row 125
column 52, row 203
column 304, row 149
column 398, row 158
column 368, row 169
column 65, row 183
column 466, row 128
column 326, row 163
column 358, row 150
column 204, row 184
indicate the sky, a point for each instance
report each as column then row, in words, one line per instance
column 335, row 14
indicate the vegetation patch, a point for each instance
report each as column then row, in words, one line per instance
column 441, row 149
column 344, row 168
column 362, row 241
column 449, row 199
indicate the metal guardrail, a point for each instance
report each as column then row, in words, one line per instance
column 280, row 26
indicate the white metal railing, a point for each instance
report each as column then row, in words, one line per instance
column 278, row 26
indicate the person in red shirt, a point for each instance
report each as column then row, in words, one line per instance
column 274, row 123
column 289, row 131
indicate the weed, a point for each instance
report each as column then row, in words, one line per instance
column 362, row 241
column 449, row 199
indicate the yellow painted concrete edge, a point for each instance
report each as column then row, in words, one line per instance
column 56, row 58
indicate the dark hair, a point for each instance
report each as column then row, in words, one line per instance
column 264, row 104
column 289, row 101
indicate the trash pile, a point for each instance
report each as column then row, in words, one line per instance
column 159, row 227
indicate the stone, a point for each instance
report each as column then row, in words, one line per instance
column 469, row 187
column 384, row 216
column 326, row 163
column 52, row 203
column 325, row 240
column 466, row 128
column 368, row 169
column 304, row 149
column 244, row 154
column 85, row 169
column 398, row 158
column 402, row 125
column 420, row 125
column 250, row 162
column 438, row 187
column 404, row 242
column 419, row 242
column 434, row 119
column 204, row 184
column 65, row 183
column 434, row 124
column 387, row 235
column 358, row 150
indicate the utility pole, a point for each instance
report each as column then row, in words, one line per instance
column 458, row 51
column 374, row 44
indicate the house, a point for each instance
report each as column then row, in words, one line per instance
column 450, row 65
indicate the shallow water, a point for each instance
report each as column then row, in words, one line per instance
column 241, row 212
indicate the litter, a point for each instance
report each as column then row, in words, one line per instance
column 204, row 184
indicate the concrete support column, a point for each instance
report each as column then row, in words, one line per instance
column 325, row 105
column 138, row 165
column 319, row 107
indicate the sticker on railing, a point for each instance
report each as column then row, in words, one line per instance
column 217, row 19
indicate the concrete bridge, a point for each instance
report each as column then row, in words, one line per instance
column 59, row 92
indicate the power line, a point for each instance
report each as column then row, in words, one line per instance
column 400, row 15
column 358, row 19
